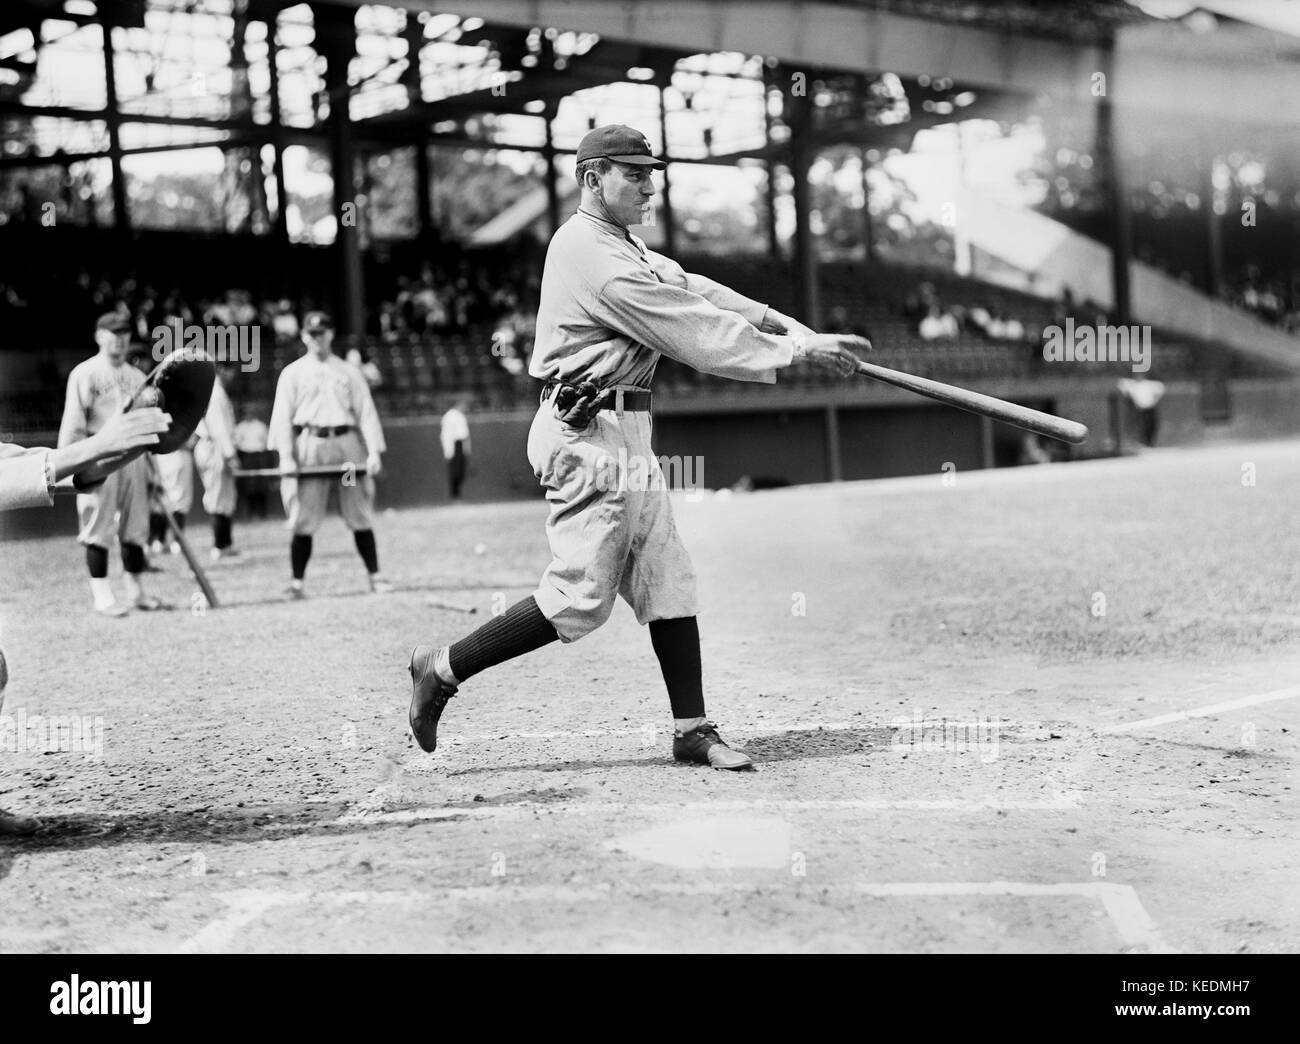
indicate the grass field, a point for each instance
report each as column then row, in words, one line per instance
column 949, row 692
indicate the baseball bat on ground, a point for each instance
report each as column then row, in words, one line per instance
column 178, row 535
column 438, row 603
column 311, row 471
column 985, row 405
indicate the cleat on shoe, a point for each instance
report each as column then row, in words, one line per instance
column 703, row 746
column 429, row 695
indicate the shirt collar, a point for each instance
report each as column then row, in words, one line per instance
column 612, row 226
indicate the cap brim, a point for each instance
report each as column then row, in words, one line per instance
column 640, row 161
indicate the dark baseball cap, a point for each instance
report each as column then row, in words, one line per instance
column 314, row 322
column 113, row 321
column 619, row 143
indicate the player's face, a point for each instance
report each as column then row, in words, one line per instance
column 627, row 190
column 114, row 344
column 320, row 342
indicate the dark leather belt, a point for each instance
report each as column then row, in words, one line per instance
column 322, row 433
column 627, row 400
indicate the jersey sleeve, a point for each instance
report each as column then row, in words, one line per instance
column 23, row 478
column 715, row 293
column 685, row 326
column 73, row 426
column 279, row 436
column 372, row 432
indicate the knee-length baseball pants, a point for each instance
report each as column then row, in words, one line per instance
column 610, row 528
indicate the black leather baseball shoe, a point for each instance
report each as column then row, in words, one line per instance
column 703, row 746
column 429, row 695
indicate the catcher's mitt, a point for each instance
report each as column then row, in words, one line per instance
column 577, row 404
column 181, row 385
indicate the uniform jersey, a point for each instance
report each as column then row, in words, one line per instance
column 97, row 389
column 218, row 424
column 324, row 393
column 610, row 307
column 24, row 481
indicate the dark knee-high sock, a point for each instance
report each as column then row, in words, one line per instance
column 365, row 541
column 97, row 561
column 520, row 629
column 677, row 644
column 157, row 527
column 132, row 558
column 221, row 531
column 179, row 519
column 299, row 554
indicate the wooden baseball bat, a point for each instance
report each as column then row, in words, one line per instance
column 311, row 471
column 178, row 535
column 985, row 405
column 438, row 603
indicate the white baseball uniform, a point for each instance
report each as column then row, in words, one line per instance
column 609, row 308
column 324, row 414
column 97, row 389
column 214, row 451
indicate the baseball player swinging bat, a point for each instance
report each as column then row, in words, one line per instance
column 984, row 405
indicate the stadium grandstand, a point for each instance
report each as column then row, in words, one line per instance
column 950, row 179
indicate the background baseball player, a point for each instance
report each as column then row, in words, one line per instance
column 453, row 433
column 98, row 389
column 174, row 473
column 609, row 308
column 324, row 415
column 216, row 458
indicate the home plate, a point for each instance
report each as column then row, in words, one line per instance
column 715, row 844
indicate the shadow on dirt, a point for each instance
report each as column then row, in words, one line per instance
column 205, row 826
column 792, row 745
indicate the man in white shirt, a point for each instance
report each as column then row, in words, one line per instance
column 455, row 445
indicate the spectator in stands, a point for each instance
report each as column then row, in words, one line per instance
column 250, row 444
column 937, row 324
column 368, row 369
column 454, row 436
column 284, row 322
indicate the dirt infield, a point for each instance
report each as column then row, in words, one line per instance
column 949, row 692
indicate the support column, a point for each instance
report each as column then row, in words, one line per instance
column 548, row 158
column 868, row 233
column 423, row 172
column 1117, row 202
column 280, row 226
column 336, row 41
column 121, row 214
column 669, row 226
column 1214, row 275
column 773, row 242
column 805, row 261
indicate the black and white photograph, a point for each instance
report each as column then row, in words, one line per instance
column 596, row 477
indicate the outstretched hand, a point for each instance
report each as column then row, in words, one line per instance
column 123, row 437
